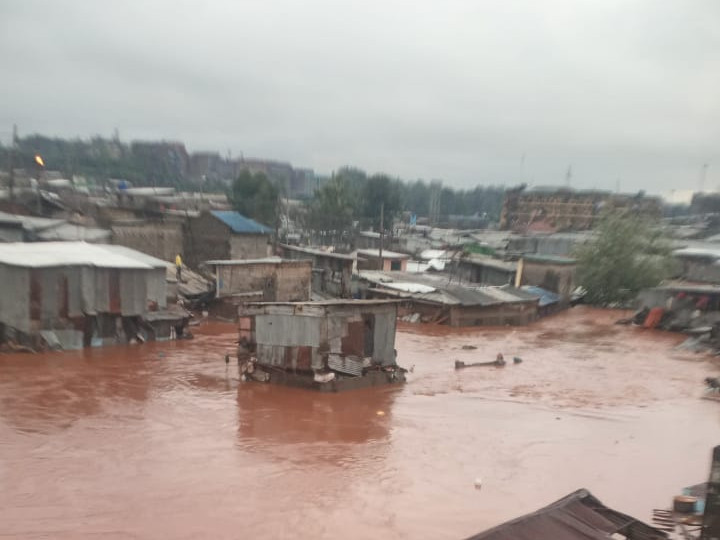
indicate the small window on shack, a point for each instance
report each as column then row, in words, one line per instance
column 395, row 265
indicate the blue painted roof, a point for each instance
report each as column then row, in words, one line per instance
column 239, row 223
column 546, row 297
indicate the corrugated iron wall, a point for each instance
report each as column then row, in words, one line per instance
column 45, row 295
column 15, row 299
column 288, row 330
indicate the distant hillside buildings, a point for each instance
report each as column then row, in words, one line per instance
column 157, row 163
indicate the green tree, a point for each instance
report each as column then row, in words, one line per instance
column 627, row 254
column 381, row 192
column 254, row 196
column 332, row 212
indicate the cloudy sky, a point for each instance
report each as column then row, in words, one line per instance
column 470, row 92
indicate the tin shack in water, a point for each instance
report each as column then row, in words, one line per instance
column 328, row 346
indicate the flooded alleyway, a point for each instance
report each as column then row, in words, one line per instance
column 160, row 440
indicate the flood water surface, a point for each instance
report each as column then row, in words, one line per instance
column 161, row 441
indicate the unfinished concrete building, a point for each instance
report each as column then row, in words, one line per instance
column 565, row 209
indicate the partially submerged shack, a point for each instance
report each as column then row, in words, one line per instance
column 577, row 516
column 73, row 294
column 327, row 346
column 439, row 300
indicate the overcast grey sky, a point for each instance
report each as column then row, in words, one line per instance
column 457, row 90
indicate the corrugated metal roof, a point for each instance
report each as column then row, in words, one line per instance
column 240, row 262
column 10, row 219
column 333, row 302
column 385, row 253
column 489, row 262
column 578, row 516
column 446, row 291
column 554, row 259
column 49, row 254
column 239, row 223
column 709, row 253
column 319, row 252
column 69, row 232
column 546, row 297
column 139, row 256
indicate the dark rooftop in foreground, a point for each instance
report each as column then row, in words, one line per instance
column 577, row 516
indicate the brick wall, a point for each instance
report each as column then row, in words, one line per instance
column 206, row 238
column 161, row 240
column 288, row 281
column 249, row 246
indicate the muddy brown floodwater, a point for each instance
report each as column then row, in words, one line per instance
column 160, row 441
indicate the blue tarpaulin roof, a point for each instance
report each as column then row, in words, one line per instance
column 239, row 223
column 546, row 297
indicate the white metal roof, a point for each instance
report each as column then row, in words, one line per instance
column 240, row 262
column 698, row 252
column 49, row 254
column 385, row 253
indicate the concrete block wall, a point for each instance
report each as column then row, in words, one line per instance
column 161, row 240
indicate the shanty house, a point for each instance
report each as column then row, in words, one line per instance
column 486, row 271
column 269, row 280
column 551, row 272
column 375, row 259
column 224, row 234
column 296, row 341
column 19, row 228
column 77, row 292
column 699, row 264
column 440, row 300
column 577, row 516
column 332, row 272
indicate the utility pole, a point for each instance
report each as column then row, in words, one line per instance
column 11, row 182
column 568, row 176
column 703, row 175
column 382, row 229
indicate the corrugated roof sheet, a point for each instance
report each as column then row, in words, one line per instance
column 240, row 262
column 239, row 223
column 319, row 252
column 709, row 253
column 489, row 262
column 70, row 232
column 385, row 253
column 578, row 516
column 49, row 254
column 554, row 259
column 546, row 297
column 446, row 291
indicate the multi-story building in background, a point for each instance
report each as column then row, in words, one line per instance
column 565, row 209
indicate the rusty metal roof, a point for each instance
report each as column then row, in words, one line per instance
column 577, row 516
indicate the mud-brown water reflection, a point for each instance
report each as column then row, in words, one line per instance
column 160, row 440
